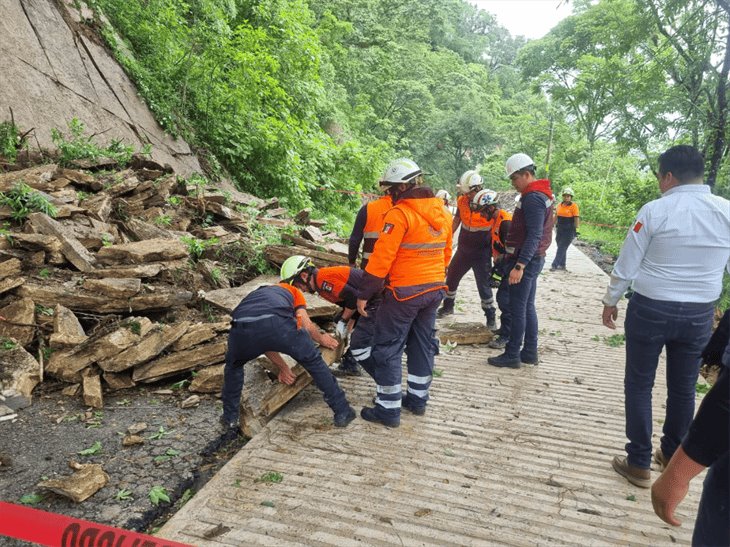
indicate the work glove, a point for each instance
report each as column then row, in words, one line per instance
column 341, row 329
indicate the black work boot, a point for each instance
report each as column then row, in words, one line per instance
column 345, row 417
column 378, row 415
column 447, row 308
column 348, row 366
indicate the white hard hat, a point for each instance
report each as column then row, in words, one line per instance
column 483, row 199
column 400, row 171
column 469, row 180
column 443, row 194
column 568, row 190
column 517, row 162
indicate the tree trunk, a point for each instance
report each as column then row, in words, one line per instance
column 718, row 139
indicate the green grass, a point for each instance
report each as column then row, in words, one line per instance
column 608, row 240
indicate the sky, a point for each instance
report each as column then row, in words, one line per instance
column 529, row 18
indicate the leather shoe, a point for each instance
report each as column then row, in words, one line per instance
column 635, row 475
column 660, row 459
column 529, row 359
column 504, row 361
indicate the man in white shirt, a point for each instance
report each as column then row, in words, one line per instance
column 674, row 255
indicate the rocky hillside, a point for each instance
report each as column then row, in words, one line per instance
column 112, row 277
column 54, row 68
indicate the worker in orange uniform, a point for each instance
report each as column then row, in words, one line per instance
column 340, row 285
column 271, row 320
column 473, row 251
column 567, row 217
column 486, row 204
column 368, row 223
column 412, row 252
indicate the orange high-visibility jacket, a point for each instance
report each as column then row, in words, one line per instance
column 330, row 281
column 471, row 221
column 414, row 247
column 497, row 245
column 374, row 224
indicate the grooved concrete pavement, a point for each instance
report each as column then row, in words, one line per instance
column 513, row 457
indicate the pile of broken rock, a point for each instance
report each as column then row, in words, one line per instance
column 133, row 278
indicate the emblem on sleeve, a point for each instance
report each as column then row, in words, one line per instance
column 388, row 228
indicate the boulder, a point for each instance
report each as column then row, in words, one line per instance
column 19, row 370
column 18, row 321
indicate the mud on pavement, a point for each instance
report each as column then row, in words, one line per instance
column 182, row 449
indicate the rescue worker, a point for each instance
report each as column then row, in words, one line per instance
column 340, row 285
column 567, row 217
column 368, row 223
column 272, row 320
column 529, row 237
column 444, row 195
column 473, row 251
column 485, row 203
column 412, row 252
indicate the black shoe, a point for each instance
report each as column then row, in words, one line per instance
column 500, row 332
column 418, row 410
column 345, row 417
column 491, row 314
column 375, row 415
column 504, row 361
column 500, row 342
column 526, row 359
column 447, row 308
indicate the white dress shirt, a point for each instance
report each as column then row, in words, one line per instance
column 677, row 248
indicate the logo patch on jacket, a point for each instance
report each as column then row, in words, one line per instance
column 638, row 226
column 388, row 228
column 327, row 286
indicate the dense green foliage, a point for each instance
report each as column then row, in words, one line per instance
column 308, row 99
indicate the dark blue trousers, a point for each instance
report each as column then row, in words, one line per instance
column 683, row 328
column 361, row 339
column 480, row 261
column 523, row 312
column 406, row 325
column 712, row 526
column 563, row 238
column 247, row 341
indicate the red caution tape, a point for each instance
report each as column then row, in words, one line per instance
column 61, row 531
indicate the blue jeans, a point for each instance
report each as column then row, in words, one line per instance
column 522, row 310
column 684, row 329
column 249, row 340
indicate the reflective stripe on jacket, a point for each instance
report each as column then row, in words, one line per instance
column 414, row 247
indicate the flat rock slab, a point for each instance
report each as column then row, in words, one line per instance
column 161, row 298
column 71, row 247
column 122, row 287
column 464, row 333
column 141, row 252
column 228, row 299
column 80, row 486
column 159, row 338
column 67, row 365
column 181, row 361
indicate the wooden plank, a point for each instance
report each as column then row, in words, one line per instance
column 465, row 334
column 277, row 254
